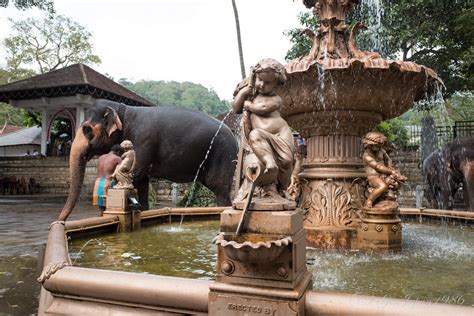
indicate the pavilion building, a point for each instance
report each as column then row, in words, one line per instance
column 66, row 93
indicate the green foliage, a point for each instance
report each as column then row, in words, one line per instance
column 301, row 43
column 152, row 196
column 437, row 34
column 395, row 131
column 198, row 195
column 47, row 44
column 38, row 46
column 184, row 94
column 458, row 107
column 10, row 115
column 45, row 5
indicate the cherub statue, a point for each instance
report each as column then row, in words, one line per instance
column 384, row 180
column 123, row 173
column 266, row 135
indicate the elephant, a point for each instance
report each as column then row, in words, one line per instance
column 446, row 169
column 170, row 143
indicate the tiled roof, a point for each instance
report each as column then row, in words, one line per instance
column 5, row 129
column 25, row 136
column 69, row 81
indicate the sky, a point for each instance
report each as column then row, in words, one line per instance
column 181, row 40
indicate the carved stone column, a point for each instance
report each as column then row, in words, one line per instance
column 335, row 179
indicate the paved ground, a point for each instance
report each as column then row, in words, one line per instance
column 24, row 222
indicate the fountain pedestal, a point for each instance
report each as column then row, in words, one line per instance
column 117, row 204
column 380, row 230
column 263, row 270
column 334, row 174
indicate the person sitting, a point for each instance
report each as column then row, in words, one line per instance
column 105, row 168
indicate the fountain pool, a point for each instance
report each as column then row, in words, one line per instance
column 434, row 265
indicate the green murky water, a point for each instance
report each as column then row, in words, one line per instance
column 435, row 264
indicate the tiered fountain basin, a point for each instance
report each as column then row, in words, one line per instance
column 370, row 89
column 333, row 103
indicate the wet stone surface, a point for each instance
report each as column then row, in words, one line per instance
column 24, row 222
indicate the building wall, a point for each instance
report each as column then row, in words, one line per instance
column 52, row 173
column 20, row 150
column 407, row 161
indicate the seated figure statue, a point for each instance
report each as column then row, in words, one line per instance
column 384, row 180
column 123, row 173
column 266, row 136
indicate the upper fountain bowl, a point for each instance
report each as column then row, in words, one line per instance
column 375, row 85
column 337, row 76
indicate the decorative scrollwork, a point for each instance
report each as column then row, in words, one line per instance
column 328, row 204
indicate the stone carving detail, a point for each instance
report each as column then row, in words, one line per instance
column 355, row 123
column 384, row 180
column 227, row 267
column 124, row 171
column 378, row 228
column 365, row 227
column 395, row 228
column 328, row 204
column 51, row 269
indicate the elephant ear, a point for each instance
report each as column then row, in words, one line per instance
column 112, row 121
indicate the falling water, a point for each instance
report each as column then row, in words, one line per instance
column 321, row 79
column 77, row 255
column 371, row 12
column 193, row 186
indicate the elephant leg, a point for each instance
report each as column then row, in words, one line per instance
column 468, row 185
column 141, row 182
column 221, row 186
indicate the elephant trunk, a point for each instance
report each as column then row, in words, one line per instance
column 77, row 168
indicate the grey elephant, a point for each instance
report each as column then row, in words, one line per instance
column 446, row 169
column 170, row 143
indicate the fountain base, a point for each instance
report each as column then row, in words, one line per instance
column 331, row 238
column 262, row 270
column 117, row 202
column 380, row 230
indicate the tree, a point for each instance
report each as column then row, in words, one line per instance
column 45, row 5
column 395, row 131
column 39, row 46
column 437, row 34
column 185, row 94
column 47, row 44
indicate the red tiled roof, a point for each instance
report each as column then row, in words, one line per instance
column 5, row 129
column 68, row 81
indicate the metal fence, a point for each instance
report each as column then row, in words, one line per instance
column 445, row 134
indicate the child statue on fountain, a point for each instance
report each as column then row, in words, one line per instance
column 384, row 180
column 265, row 134
column 124, row 171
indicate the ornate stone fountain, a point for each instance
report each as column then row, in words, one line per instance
column 333, row 96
